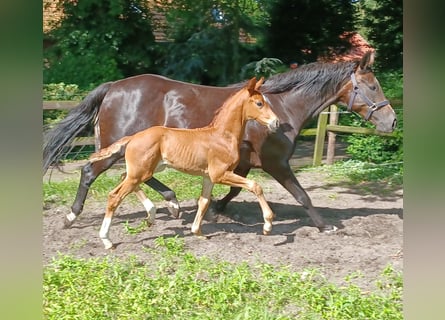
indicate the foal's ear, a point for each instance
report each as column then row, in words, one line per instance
column 251, row 85
column 367, row 60
column 259, row 83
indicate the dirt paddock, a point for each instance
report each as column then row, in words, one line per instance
column 369, row 218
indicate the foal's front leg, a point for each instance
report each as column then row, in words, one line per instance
column 232, row 179
column 203, row 205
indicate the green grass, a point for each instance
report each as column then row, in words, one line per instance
column 354, row 172
column 186, row 187
column 175, row 284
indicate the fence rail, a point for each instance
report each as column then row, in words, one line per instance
column 323, row 129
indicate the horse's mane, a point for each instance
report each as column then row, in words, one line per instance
column 319, row 78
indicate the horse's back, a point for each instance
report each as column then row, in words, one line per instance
column 136, row 103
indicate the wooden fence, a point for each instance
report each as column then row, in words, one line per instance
column 323, row 130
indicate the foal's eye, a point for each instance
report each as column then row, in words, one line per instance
column 373, row 88
column 259, row 104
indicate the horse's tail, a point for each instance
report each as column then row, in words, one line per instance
column 66, row 130
column 116, row 148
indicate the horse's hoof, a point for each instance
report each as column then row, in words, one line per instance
column 219, row 206
column 328, row 229
column 210, row 215
column 67, row 223
column 173, row 209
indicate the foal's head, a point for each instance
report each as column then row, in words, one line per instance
column 256, row 107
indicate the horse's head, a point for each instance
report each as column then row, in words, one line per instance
column 257, row 107
column 364, row 96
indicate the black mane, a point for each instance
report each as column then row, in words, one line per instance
column 321, row 77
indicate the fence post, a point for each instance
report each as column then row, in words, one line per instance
column 320, row 137
column 333, row 120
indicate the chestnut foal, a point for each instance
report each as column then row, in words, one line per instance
column 211, row 152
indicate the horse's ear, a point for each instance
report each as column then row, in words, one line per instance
column 259, row 83
column 367, row 60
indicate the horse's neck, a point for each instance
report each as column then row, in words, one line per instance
column 303, row 107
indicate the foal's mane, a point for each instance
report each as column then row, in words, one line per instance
column 236, row 95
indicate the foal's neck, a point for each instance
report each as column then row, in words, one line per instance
column 230, row 117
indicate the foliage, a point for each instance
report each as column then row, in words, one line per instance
column 63, row 92
column 175, row 284
column 302, row 30
column 265, row 67
column 205, row 45
column 383, row 21
column 98, row 41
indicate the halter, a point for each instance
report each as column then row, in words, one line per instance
column 372, row 105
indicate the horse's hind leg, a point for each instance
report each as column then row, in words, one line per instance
column 89, row 173
column 168, row 194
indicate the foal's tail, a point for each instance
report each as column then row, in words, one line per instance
column 56, row 139
column 116, row 148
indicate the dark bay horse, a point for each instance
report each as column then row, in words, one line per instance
column 211, row 152
column 133, row 104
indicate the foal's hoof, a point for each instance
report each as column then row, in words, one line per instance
column 328, row 228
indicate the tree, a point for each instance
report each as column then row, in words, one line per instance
column 98, row 41
column 303, row 30
column 204, row 39
column 383, row 20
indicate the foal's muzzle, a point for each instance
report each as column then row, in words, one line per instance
column 273, row 125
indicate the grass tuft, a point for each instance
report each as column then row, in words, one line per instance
column 175, row 284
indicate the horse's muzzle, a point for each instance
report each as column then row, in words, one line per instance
column 273, row 125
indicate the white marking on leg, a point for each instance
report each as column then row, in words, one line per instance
column 71, row 216
column 103, row 233
column 151, row 210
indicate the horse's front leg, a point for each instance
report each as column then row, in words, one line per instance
column 284, row 175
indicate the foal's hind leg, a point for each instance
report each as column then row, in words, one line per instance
column 148, row 205
column 114, row 199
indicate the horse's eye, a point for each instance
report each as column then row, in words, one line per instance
column 259, row 104
column 373, row 88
